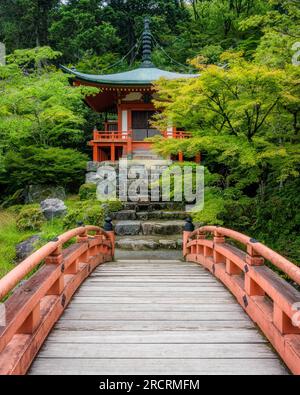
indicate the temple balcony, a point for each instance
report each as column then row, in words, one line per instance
column 114, row 145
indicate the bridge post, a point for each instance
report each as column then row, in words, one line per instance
column 108, row 227
column 252, row 259
column 56, row 258
column 218, row 239
column 188, row 229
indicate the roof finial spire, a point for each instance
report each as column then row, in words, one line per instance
column 147, row 44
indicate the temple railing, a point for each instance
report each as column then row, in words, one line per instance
column 121, row 136
column 272, row 302
column 33, row 305
column 111, row 136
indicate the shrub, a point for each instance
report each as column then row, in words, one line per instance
column 30, row 218
column 92, row 214
column 50, row 166
column 111, row 205
column 87, row 191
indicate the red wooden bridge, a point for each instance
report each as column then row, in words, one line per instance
column 221, row 310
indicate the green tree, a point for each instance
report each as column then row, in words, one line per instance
column 25, row 23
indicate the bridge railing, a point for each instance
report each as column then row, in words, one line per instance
column 34, row 305
column 272, row 302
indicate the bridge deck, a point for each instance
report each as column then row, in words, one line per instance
column 155, row 317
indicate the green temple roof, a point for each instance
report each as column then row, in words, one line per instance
column 139, row 76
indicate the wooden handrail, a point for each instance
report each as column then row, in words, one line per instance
column 276, row 259
column 34, row 306
column 111, row 135
column 12, row 278
column 118, row 135
column 271, row 302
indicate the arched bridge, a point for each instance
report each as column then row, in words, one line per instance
column 222, row 310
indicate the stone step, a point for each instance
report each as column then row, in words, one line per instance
column 165, row 215
column 148, row 215
column 134, row 227
column 152, row 206
column 139, row 243
column 145, row 255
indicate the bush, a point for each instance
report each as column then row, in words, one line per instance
column 30, row 218
column 87, row 191
column 111, row 205
column 50, row 166
column 89, row 214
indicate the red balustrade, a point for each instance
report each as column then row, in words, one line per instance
column 272, row 302
column 32, row 308
column 111, row 136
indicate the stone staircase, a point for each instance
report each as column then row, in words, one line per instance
column 144, row 228
column 151, row 227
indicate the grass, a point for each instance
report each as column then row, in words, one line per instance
column 10, row 236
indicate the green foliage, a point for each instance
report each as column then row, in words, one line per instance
column 50, row 166
column 87, row 191
column 39, row 107
column 89, row 212
column 213, row 208
column 111, row 205
column 10, row 236
column 30, row 219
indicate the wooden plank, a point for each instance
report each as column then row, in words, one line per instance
column 92, row 307
column 152, row 325
column 58, row 366
column 132, row 337
column 160, row 294
column 205, row 299
column 149, row 351
column 74, row 314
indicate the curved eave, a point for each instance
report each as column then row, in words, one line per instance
column 109, row 79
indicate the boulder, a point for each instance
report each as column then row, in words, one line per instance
column 52, row 208
column 26, row 248
column 38, row 193
column 127, row 228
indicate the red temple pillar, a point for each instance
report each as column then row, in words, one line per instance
column 180, row 156
column 112, row 152
column 95, row 153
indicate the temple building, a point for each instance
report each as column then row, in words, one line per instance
column 128, row 95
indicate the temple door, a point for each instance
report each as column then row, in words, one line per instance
column 141, row 128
